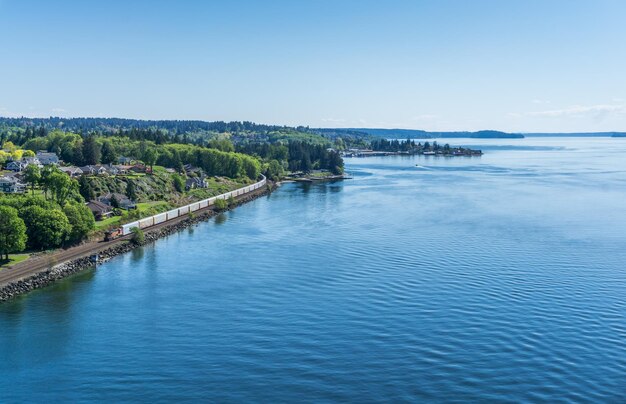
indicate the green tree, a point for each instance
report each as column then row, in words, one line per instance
column 109, row 156
column 138, row 236
column 150, row 157
column 85, row 188
column 179, row 182
column 80, row 218
column 115, row 204
column 62, row 186
column 12, row 231
column 274, row 170
column 46, row 228
column 91, row 150
column 32, row 175
column 221, row 204
column 44, row 181
column 131, row 190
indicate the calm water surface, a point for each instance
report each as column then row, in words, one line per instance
column 493, row 278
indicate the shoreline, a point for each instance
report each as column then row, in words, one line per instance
column 50, row 272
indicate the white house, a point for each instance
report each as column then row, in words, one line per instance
column 11, row 185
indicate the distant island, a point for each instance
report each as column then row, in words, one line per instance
column 384, row 147
column 421, row 134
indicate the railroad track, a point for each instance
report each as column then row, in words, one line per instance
column 44, row 262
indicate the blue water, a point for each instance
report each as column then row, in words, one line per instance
column 499, row 278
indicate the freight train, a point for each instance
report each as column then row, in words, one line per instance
column 148, row 222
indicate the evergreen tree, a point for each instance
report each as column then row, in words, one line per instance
column 91, row 150
column 109, row 156
column 85, row 188
column 131, row 190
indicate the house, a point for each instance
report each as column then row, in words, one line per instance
column 195, row 182
column 15, row 166
column 123, row 169
column 138, row 168
column 99, row 209
column 94, row 170
column 32, row 160
column 19, row 165
column 47, row 158
column 122, row 200
column 11, row 185
column 72, row 171
column 126, row 161
column 107, row 169
column 191, row 169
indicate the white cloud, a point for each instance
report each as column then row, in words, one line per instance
column 538, row 101
column 58, row 110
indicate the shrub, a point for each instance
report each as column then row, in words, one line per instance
column 138, row 236
column 221, row 204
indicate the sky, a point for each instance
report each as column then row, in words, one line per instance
column 518, row 66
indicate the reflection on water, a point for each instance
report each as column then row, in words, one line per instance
column 498, row 278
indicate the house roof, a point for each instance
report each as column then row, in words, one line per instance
column 99, row 207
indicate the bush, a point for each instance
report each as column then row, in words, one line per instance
column 138, row 236
column 231, row 201
column 221, row 204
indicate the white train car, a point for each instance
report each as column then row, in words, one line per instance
column 147, row 222
column 174, row 213
column 160, row 218
column 127, row 227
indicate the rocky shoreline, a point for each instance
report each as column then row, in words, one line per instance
column 63, row 270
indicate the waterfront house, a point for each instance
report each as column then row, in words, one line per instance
column 94, row 170
column 109, row 169
column 11, row 185
column 122, row 200
column 138, row 168
column 72, row 171
column 123, row 169
column 100, row 210
column 47, row 158
column 195, row 182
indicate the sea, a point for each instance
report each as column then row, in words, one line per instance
column 499, row 278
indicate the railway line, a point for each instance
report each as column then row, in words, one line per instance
column 46, row 261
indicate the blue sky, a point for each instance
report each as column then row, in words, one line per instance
column 437, row 65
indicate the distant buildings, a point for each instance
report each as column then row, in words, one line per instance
column 47, row 158
column 9, row 184
column 100, row 210
column 195, row 182
column 123, row 201
column 72, row 171
column 19, row 165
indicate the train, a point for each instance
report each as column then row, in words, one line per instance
column 148, row 222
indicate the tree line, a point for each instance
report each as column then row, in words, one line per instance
column 295, row 156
